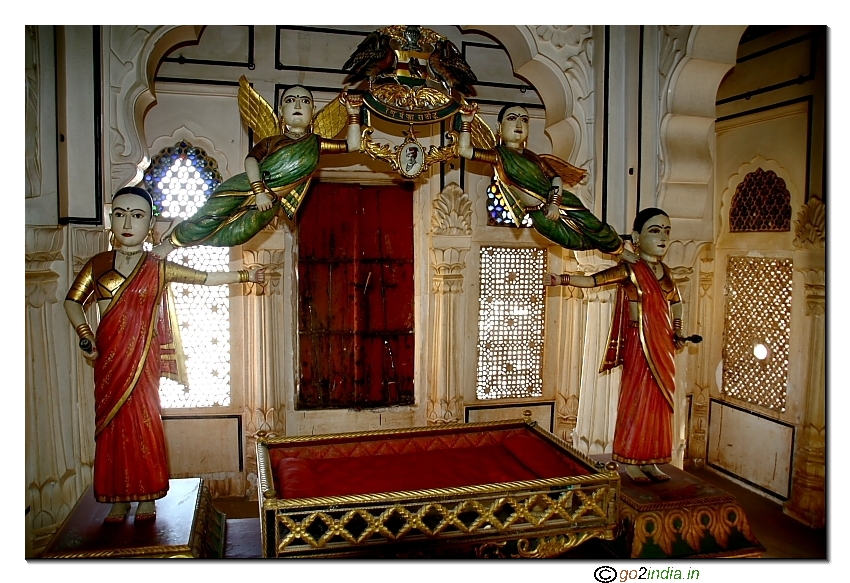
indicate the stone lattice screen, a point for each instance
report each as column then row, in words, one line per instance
column 510, row 323
column 757, row 330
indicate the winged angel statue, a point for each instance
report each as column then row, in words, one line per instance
column 534, row 184
column 278, row 169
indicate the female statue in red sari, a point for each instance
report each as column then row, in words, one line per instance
column 133, row 348
column 645, row 333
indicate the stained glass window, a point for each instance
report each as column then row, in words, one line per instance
column 497, row 212
column 180, row 178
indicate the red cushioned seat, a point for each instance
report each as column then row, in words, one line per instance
column 444, row 468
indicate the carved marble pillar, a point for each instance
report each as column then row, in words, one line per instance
column 451, row 230
column 264, row 405
column 701, row 389
column 564, row 321
column 808, row 488
column 597, row 411
column 85, row 242
column 51, row 414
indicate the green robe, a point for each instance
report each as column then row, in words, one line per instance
column 230, row 216
column 577, row 228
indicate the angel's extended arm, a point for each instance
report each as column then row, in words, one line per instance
column 553, row 210
column 464, row 142
column 252, row 170
column 352, row 106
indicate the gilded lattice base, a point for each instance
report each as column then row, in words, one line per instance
column 534, row 518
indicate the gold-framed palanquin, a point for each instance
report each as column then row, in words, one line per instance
column 540, row 517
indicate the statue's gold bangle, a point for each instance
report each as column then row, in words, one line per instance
column 466, row 126
column 677, row 323
column 84, row 331
column 258, row 187
column 565, row 279
column 243, row 276
column 555, row 196
column 353, row 119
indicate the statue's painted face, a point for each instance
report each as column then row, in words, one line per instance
column 131, row 219
column 296, row 107
column 654, row 237
column 514, row 126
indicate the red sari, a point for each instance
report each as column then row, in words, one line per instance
column 644, row 432
column 133, row 337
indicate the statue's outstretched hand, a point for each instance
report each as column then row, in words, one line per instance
column 352, row 103
column 553, row 213
column 264, row 201
column 257, row 275
column 551, row 279
column 468, row 111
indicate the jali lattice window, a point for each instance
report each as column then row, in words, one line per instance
column 757, row 330
column 761, row 203
column 510, row 323
column 180, row 178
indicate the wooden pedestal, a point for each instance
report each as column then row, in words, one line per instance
column 681, row 518
column 186, row 525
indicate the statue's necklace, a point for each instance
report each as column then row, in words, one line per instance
column 127, row 256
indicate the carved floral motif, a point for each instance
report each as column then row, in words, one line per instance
column 452, row 212
column 810, row 226
column 563, row 35
column 43, row 247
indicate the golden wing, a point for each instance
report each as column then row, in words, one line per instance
column 571, row 175
column 257, row 113
column 482, row 135
column 330, row 120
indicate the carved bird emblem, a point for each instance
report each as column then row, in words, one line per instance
column 416, row 68
column 448, row 66
column 373, row 58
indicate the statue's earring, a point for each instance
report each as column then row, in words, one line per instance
column 499, row 137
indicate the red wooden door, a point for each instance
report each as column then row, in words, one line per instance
column 355, row 324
